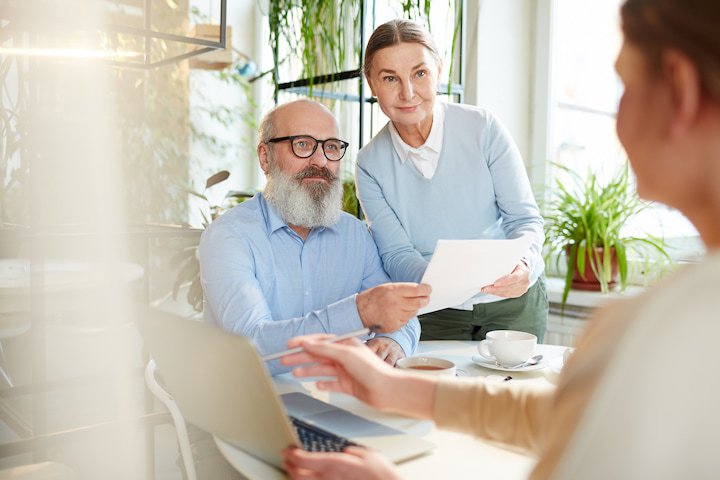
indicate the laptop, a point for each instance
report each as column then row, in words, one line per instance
column 221, row 385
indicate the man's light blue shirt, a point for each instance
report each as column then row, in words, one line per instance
column 261, row 280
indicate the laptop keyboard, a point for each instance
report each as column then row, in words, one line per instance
column 314, row 439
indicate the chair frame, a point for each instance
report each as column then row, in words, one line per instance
column 180, row 426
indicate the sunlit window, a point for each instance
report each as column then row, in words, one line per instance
column 585, row 92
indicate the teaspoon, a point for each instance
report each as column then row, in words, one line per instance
column 529, row 362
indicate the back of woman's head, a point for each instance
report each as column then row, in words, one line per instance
column 690, row 26
column 395, row 32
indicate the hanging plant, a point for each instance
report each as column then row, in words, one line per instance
column 14, row 167
column 315, row 31
column 419, row 10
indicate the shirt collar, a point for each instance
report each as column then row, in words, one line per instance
column 274, row 222
column 272, row 218
column 433, row 142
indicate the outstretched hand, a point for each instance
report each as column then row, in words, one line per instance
column 353, row 368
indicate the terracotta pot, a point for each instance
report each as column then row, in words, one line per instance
column 590, row 281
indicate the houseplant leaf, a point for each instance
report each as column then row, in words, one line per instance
column 220, row 176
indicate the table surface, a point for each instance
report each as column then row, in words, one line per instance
column 63, row 283
column 62, row 275
column 457, row 455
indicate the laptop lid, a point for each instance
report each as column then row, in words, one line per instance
column 221, row 384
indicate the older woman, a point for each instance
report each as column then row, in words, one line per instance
column 445, row 171
column 639, row 397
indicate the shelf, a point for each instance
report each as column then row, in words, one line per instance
column 586, row 299
column 321, row 79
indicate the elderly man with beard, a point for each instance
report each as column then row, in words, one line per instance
column 289, row 262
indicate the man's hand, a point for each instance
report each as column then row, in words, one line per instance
column 511, row 286
column 391, row 305
column 387, row 349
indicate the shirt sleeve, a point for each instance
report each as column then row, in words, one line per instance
column 514, row 414
column 409, row 335
column 399, row 257
column 513, row 194
column 238, row 305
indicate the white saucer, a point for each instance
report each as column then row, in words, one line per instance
column 487, row 363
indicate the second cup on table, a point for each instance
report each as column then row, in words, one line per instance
column 428, row 365
column 507, row 347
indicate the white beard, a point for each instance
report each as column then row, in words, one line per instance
column 304, row 205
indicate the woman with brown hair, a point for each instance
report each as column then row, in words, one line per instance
column 639, row 397
column 446, row 171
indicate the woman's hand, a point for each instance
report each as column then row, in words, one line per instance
column 511, row 286
column 354, row 463
column 356, row 369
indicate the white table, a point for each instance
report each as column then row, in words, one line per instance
column 457, row 455
column 65, row 284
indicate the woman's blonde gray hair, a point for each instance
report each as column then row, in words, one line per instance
column 396, row 32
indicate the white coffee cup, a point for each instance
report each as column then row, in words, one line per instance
column 507, row 347
column 427, row 365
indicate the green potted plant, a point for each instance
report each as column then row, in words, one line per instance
column 350, row 201
column 585, row 223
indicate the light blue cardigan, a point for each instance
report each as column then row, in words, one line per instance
column 480, row 190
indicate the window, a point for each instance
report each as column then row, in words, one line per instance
column 584, row 92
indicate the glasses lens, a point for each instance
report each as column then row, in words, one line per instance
column 334, row 149
column 304, row 146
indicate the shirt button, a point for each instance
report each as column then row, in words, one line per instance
column 307, row 293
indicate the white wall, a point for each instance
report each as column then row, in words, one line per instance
column 500, row 59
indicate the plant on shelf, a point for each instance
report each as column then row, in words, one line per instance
column 349, row 199
column 585, row 221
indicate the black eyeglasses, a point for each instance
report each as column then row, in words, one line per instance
column 304, row 146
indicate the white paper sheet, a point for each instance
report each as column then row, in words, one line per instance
column 458, row 269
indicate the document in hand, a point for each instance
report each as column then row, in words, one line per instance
column 458, row 269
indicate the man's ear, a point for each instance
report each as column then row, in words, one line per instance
column 262, row 151
column 683, row 79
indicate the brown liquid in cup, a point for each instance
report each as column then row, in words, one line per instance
column 425, row 367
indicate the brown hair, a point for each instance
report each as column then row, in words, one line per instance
column 691, row 26
column 395, row 32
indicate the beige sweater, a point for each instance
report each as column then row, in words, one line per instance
column 543, row 420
